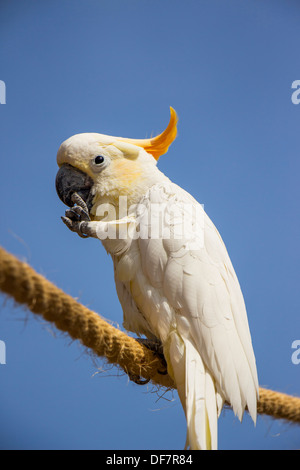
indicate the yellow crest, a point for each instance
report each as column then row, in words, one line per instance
column 158, row 145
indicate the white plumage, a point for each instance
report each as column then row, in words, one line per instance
column 190, row 298
column 173, row 275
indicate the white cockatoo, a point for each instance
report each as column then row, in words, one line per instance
column 173, row 275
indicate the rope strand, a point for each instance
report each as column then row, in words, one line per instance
column 30, row 289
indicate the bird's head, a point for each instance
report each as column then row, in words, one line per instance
column 101, row 168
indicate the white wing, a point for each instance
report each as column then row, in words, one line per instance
column 176, row 282
column 198, row 280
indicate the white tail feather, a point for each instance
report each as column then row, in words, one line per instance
column 197, row 394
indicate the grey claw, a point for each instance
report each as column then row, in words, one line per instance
column 68, row 222
column 137, row 379
column 73, row 215
column 81, row 214
column 77, row 217
column 74, row 226
column 157, row 348
column 80, row 202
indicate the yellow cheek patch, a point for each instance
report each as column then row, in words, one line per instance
column 126, row 172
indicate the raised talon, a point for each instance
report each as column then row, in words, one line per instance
column 75, row 226
column 76, row 217
column 81, row 213
column 72, row 214
column 76, row 199
column 68, row 222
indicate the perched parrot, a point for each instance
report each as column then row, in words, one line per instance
column 173, row 275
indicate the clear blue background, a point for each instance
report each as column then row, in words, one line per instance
column 115, row 67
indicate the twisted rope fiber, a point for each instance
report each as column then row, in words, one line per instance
column 27, row 287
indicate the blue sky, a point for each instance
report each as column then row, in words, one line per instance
column 115, row 67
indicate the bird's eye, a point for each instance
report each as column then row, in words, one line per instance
column 99, row 162
column 99, row 159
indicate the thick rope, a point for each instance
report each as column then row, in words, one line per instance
column 27, row 287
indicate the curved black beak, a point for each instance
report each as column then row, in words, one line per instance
column 70, row 180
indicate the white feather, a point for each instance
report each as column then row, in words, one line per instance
column 185, row 292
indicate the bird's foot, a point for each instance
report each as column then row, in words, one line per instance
column 157, row 348
column 77, row 217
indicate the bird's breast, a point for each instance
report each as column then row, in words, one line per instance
column 144, row 306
